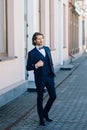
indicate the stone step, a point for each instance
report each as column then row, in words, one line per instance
column 66, row 67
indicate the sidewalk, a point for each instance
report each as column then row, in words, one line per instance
column 14, row 112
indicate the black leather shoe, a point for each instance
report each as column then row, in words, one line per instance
column 47, row 118
column 42, row 123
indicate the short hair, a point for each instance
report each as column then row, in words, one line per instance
column 34, row 37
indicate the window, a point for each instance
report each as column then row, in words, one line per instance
column 3, row 28
column 47, row 21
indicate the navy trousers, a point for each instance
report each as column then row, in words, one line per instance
column 47, row 82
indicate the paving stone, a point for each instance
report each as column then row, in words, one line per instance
column 69, row 111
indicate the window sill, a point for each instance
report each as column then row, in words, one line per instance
column 7, row 58
column 53, row 49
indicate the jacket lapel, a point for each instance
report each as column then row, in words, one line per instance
column 38, row 53
column 47, row 52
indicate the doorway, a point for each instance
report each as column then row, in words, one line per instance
column 26, row 26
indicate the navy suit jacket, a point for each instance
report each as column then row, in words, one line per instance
column 33, row 57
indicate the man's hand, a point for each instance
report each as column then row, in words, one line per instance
column 40, row 63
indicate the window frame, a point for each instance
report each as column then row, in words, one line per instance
column 4, row 54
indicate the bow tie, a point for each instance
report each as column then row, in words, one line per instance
column 41, row 48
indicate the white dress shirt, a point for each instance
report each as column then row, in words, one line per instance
column 42, row 51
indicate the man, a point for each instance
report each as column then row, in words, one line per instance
column 40, row 60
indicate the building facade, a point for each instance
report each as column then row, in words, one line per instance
column 56, row 19
column 76, row 39
column 12, row 64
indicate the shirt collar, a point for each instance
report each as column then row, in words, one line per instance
column 38, row 47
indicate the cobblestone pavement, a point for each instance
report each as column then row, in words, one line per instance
column 69, row 111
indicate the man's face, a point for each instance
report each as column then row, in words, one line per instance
column 39, row 40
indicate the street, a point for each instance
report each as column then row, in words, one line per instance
column 69, row 111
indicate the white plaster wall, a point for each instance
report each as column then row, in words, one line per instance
column 60, row 31
column 47, row 22
column 57, row 23
column 65, row 50
column 12, row 71
column 60, row 54
column 80, row 32
column 33, row 21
